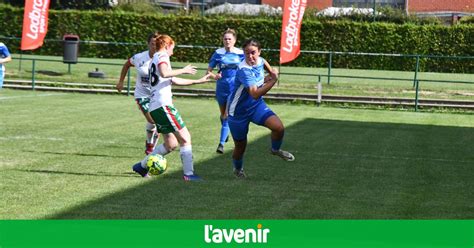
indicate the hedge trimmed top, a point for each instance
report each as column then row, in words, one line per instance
column 193, row 30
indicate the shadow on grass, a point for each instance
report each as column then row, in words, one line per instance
column 79, row 154
column 343, row 170
column 99, row 174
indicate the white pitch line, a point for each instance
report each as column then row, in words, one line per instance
column 39, row 95
column 30, row 138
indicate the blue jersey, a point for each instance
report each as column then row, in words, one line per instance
column 227, row 64
column 3, row 54
column 241, row 103
column 4, row 51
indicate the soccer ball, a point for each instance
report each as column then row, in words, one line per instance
column 156, row 164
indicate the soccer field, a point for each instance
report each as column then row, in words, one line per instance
column 69, row 156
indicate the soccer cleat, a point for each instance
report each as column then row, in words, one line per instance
column 284, row 155
column 240, row 174
column 149, row 148
column 220, row 149
column 193, row 177
column 140, row 170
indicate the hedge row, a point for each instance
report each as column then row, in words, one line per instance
column 320, row 36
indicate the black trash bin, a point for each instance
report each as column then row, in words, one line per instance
column 71, row 48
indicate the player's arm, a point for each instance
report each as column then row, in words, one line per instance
column 250, row 81
column 213, row 63
column 272, row 71
column 184, row 82
column 257, row 92
column 214, row 76
column 125, row 67
column 6, row 59
column 165, row 72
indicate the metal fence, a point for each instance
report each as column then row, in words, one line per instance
column 328, row 75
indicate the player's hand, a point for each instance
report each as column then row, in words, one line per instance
column 119, row 86
column 218, row 76
column 189, row 69
column 205, row 79
column 274, row 73
column 269, row 79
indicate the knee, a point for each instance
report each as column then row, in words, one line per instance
column 171, row 146
column 279, row 128
column 150, row 127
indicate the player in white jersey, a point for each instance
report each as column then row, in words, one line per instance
column 246, row 105
column 141, row 62
column 166, row 117
column 4, row 58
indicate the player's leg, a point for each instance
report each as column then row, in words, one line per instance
column 150, row 137
column 150, row 129
column 2, row 75
column 169, row 120
column 169, row 144
column 278, row 130
column 239, row 129
column 165, row 125
column 186, row 153
column 264, row 116
column 153, row 135
column 224, row 134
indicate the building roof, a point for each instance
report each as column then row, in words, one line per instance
column 336, row 11
column 244, row 9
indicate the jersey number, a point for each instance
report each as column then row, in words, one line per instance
column 153, row 77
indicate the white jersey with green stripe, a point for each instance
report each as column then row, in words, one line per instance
column 141, row 61
column 160, row 87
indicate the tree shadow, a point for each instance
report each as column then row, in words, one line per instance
column 79, row 154
column 343, row 170
column 99, row 173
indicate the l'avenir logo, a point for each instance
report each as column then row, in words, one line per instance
column 226, row 235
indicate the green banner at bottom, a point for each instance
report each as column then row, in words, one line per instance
column 237, row 233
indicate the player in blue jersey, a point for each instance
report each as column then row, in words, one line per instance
column 4, row 58
column 246, row 105
column 226, row 60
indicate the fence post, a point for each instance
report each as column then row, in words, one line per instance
column 279, row 73
column 417, row 66
column 128, row 82
column 320, row 90
column 416, row 95
column 33, row 75
column 374, row 6
column 329, row 67
column 19, row 65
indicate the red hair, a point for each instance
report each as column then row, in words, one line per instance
column 163, row 41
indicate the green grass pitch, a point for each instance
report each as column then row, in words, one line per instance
column 69, row 156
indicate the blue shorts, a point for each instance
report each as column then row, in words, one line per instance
column 221, row 98
column 223, row 89
column 239, row 125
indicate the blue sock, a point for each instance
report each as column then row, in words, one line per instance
column 276, row 144
column 238, row 164
column 224, row 130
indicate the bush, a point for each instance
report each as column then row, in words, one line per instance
column 328, row 35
